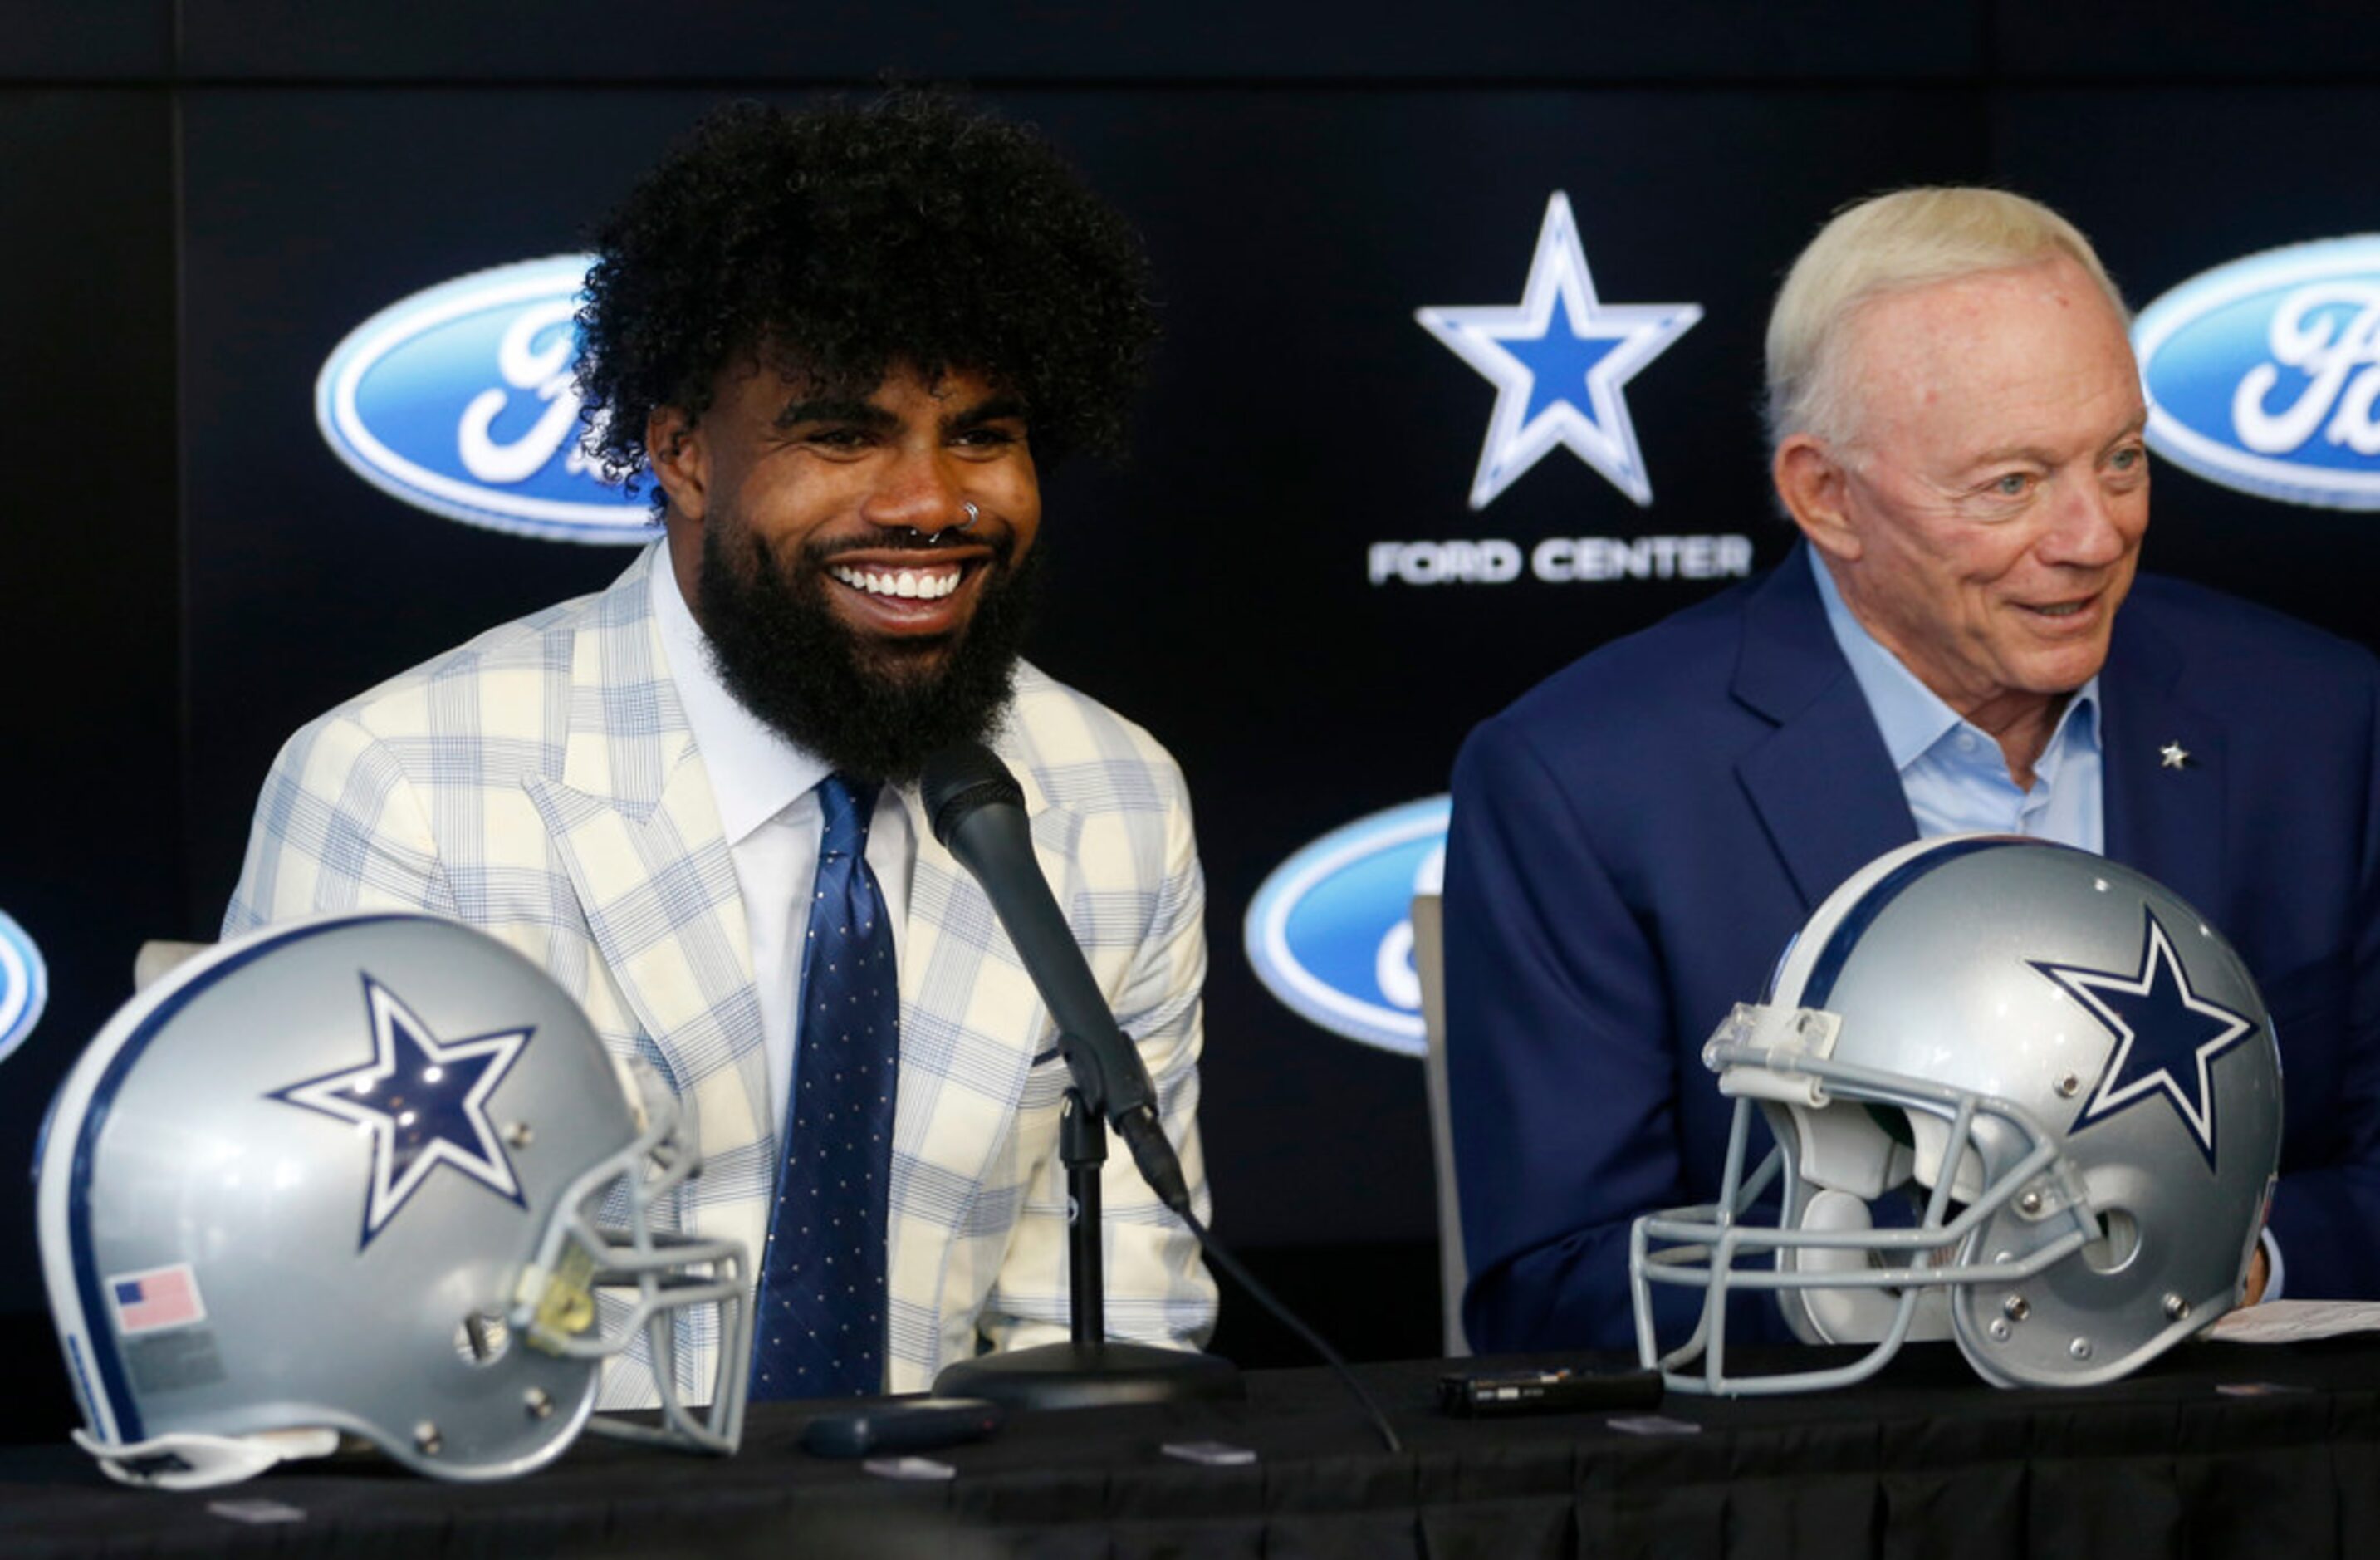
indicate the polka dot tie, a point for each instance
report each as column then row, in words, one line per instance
column 821, row 1316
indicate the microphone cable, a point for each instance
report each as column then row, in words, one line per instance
column 1314, row 1340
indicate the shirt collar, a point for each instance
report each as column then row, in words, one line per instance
column 1912, row 716
column 755, row 771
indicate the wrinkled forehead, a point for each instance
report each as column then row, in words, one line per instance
column 2040, row 340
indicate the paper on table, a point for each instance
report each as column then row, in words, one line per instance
column 2295, row 1322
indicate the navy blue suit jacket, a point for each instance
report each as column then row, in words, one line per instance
column 1635, row 841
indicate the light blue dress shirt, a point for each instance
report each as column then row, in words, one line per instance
column 1952, row 770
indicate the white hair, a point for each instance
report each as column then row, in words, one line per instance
column 1890, row 244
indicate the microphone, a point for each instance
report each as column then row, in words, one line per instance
column 976, row 810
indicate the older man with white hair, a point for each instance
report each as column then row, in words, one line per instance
column 1958, row 641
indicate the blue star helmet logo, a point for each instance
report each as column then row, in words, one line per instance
column 2167, row 1035
column 424, row 1104
column 1559, row 359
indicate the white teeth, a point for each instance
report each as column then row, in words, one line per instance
column 906, row 582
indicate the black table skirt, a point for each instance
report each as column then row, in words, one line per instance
column 1926, row 1461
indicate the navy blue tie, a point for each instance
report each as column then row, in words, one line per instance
column 821, row 1316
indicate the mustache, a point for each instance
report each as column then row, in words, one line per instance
column 1001, row 544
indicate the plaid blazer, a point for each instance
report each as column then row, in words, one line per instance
column 542, row 783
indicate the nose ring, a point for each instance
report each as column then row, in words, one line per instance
column 973, row 514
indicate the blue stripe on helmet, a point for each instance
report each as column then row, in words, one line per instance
column 1828, row 966
column 98, row 1325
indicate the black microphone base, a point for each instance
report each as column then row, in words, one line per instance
column 1073, row 1375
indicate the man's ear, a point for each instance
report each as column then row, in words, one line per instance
column 680, row 458
column 1812, row 484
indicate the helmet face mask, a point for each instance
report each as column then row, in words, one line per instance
column 2065, row 1074
column 372, row 1177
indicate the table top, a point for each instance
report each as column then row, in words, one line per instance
column 2223, row 1447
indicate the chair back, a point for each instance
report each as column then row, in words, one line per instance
column 1429, row 964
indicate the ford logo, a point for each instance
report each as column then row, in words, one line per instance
column 459, row 400
column 2262, row 375
column 1331, row 932
column 24, row 985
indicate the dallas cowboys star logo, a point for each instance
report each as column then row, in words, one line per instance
column 2166, row 1033
column 1559, row 359
column 424, row 1104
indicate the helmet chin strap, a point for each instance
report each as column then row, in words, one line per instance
column 184, row 1461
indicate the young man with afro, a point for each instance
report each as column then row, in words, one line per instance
column 842, row 345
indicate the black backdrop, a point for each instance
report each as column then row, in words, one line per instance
column 202, row 198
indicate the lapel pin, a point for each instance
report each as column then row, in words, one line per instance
column 2174, row 755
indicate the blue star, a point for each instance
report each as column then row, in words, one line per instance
column 424, row 1104
column 2165, row 1032
column 1560, row 386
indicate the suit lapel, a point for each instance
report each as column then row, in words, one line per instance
column 2165, row 819
column 636, row 828
column 1822, row 783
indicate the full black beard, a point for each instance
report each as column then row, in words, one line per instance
column 871, row 711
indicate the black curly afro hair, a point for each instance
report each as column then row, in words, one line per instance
column 840, row 243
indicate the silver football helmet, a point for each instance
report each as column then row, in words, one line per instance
column 2060, row 1074
column 369, row 1175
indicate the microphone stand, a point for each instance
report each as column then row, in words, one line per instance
column 1089, row 1371
column 976, row 810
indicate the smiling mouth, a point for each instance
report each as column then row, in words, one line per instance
column 904, row 584
column 2066, row 611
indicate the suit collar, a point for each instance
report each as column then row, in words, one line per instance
column 1790, row 659
column 627, row 735
column 1822, row 783
column 634, row 822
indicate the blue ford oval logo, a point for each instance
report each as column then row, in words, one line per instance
column 24, row 985
column 459, row 400
column 1331, row 932
column 2262, row 375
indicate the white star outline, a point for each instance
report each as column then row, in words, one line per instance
column 2085, row 985
column 1601, row 433
column 339, row 1094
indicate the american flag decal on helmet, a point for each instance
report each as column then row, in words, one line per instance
column 156, row 1300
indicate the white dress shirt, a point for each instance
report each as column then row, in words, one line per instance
column 766, row 789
